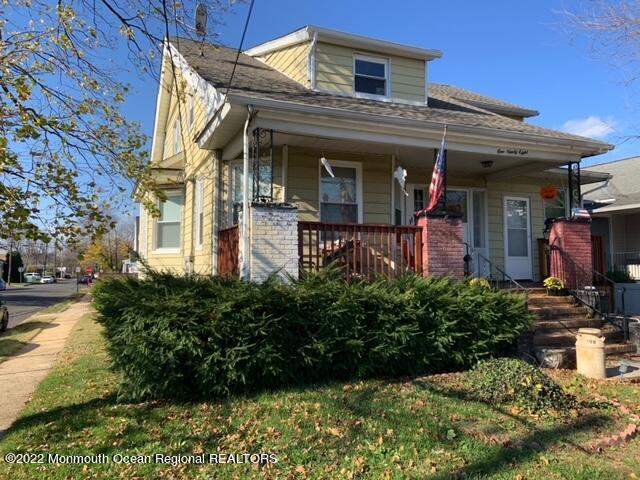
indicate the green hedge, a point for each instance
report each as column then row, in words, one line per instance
column 198, row 337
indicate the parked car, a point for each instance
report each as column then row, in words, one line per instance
column 3, row 284
column 67, row 275
column 32, row 277
column 4, row 316
column 84, row 279
column 47, row 279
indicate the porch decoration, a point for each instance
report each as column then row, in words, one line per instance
column 400, row 174
column 555, row 286
column 549, row 192
column 327, row 166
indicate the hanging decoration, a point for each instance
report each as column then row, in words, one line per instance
column 549, row 192
column 327, row 166
column 400, row 174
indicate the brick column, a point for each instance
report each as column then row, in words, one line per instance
column 273, row 240
column 442, row 246
column 570, row 250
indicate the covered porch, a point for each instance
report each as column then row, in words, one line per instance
column 362, row 216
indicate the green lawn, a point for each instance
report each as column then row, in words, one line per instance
column 422, row 428
column 19, row 336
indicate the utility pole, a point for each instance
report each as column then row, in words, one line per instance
column 9, row 262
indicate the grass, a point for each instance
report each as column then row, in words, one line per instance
column 14, row 339
column 62, row 306
column 414, row 428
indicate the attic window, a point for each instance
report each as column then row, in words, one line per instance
column 370, row 77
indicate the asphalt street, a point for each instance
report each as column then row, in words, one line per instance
column 23, row 302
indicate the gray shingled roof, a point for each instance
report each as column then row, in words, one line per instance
column 478, row 100
column 623, row 186
column 256, row 79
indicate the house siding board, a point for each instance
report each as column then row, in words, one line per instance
column 198, row 162
column 334, row 72
column 292, row 61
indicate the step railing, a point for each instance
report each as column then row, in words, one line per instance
column 501, row 279
column 591, row 289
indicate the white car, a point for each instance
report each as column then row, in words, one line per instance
column 47, row 279
column 32, row 277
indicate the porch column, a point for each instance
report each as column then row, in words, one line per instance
column 273, row 240
column 442, row 245
column 570, row 250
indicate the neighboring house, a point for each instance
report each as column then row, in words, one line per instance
column 367, row 107
column 615, row 207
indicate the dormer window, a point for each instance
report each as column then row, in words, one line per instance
column 371, row 76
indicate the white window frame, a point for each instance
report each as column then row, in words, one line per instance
column 177, row 137
column 191, row 114
column 169, row 250
column 342, row 163
column 199, row 213
column 387, row 79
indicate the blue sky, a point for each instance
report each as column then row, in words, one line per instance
column 517, row 51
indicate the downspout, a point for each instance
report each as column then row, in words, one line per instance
column 245, row 264
column 191, row 260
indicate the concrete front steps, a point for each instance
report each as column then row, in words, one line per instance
column 558, row 321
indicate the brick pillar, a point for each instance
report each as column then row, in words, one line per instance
column 273, row 240
column 442, row 246
column 570, row 250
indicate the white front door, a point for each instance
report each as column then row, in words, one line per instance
column 517, row 238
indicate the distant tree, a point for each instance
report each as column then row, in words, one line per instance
column 16, row 263
column 109, row 250
column 67, row 152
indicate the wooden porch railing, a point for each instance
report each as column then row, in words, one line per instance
column 362, row 250
column 229, row 251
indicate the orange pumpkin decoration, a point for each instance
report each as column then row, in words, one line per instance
column 549, row 192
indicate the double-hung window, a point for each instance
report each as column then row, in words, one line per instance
column 169, row 222
column 199, row 212
column 371, row 77
column 264, row 186
column 340, row 195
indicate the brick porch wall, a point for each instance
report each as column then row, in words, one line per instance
column 443, row 246
column 273, row 240
column 571, row 260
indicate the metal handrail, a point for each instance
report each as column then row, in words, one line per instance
column 606, row 317
column 505, row 276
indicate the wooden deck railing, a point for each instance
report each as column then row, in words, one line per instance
column 229, row 251
column 362, row 250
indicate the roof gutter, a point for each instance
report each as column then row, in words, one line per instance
column 587, row 147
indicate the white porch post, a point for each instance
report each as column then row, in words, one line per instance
column 245, row 261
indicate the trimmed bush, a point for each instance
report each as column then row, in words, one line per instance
column 512, row 381
column 199, row 337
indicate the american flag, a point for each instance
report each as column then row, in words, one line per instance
column 437, row 186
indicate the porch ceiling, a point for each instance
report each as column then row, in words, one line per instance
column 460, row 163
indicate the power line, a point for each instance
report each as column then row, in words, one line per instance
column 233, row 71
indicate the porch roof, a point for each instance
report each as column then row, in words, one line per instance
column 254, row 81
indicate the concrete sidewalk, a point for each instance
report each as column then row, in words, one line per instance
column 21, row 374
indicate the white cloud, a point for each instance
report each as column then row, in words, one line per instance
column 592, row 126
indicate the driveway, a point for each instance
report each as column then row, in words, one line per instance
column 25, row 301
